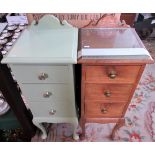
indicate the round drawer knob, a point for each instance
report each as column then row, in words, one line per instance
column 52, row 112
column 104, row 110
column 47, row 94
column 107, row 93
column 112, row 74
column 43, row 76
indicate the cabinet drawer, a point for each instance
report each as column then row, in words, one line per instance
column 107, row 92
column 104, row 109
column 111, row 74
column 47, row 92
column 57, row 110
column 41, row 74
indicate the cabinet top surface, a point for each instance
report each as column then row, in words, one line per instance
column 44, row 44
column 109, row 38
column 111, row 43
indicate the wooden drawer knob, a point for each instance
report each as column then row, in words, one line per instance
column 112, row 74
column 47, row 94
column 43, row 76
column 107, row 93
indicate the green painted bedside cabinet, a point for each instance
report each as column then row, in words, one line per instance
column 42, row 62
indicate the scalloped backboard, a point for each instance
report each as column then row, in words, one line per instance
column 50, row 21
column 85, row 20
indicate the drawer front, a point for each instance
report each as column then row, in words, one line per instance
column 107, row 92
column 104, row 109
column 52, row 109
column 111, row 74
column 47, row 92
column 41, row 74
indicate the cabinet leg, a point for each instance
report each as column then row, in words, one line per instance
column 82, row 124
column 75, row 135
column 118, row 125
column 41, row 127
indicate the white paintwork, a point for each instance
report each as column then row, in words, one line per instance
column 62, row 100
column 52, row 49
column 31, row 47
column 41, row 127
column 50, row 21
column 115, row 52
column 30, row 73
column 38, row 120
column 59, row 92
column 64, row 110
column 45, row 43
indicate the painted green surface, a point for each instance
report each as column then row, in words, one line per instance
column 30, row 73
column 48, row 48
column 47, row 42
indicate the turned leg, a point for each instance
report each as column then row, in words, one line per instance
column 41, row 127
column 118, row 125
column 75, row 135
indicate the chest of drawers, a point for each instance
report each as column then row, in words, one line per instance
column 110, row 74
column 42, row 62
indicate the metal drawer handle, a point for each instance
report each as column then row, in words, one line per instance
column 104, row 107
column 43, row 76
column 107, row 93
column 112, row 74
column 104, row 110
column 52, row 112
column 47, row 94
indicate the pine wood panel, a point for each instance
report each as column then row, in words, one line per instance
column 100, row 74
column 99, row 92
column 96, row 109
column 93, row 110
column 103, row 120
column 109, row 61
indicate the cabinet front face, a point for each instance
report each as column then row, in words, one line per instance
column 113, row 60
column 47, row 92
column 41, row 73
column 47, row 88
column 108, row 89
column 101, row 109
column 52, row 110
column 42, row 62
column 107, row 92
column 111, row 74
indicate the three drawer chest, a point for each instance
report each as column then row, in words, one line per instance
column 42, row 62
column 43, row 58
column 113, row 60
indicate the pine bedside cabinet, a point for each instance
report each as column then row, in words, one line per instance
column 42, row 62
column 113, row 60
